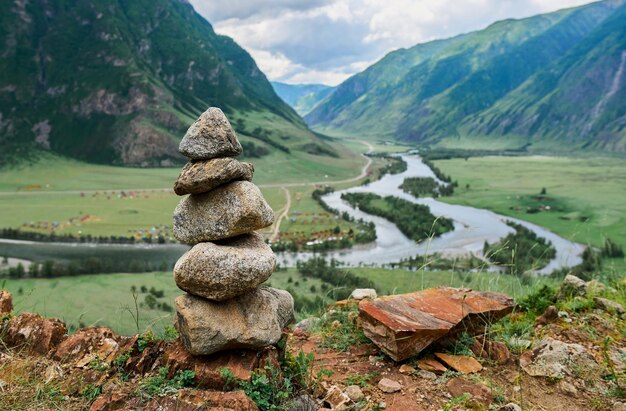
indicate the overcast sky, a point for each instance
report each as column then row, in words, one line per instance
column 326, row 41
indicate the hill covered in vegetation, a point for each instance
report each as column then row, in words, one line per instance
column 120, row 81
column 533, row 83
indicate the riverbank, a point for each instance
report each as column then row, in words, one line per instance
column 472, row 228
column 584, row 199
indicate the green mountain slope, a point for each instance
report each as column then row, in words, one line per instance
column 442, row 92
column 302, row 97
column 119, row 81
column 580, row 100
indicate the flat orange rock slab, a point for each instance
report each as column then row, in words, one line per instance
column 403, row 325
column 432, row 365
column 460, row 363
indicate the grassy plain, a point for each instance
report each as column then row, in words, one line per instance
column 106, row 299
column 88, row 198
column 591, row 192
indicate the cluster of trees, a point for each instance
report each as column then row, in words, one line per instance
column 590, row 266
column 293, row 246
column 17, row 234
column 318, row 150
column 89, row 265
column 251, row 150
column 151, row 298
column 612, row 250
column 259, row 133
column 437, row 262
column 414, row 220
column 520, row 251
column 396, row 166
column 343, row 281
column 437, row 172
column 427, row 186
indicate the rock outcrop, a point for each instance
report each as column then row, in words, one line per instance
column 6, row 302
column 225, row 308
column 34, row 334
column 403, row 325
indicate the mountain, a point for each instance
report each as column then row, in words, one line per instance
column 534, row 83
column 119, row 81
column 302, row 97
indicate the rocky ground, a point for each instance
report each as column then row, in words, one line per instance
column 559, row 349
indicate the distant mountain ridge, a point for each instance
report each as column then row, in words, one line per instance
column 119, row 81
column 302, row 97
column 538, row 82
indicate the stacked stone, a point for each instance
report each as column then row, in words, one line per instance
column 225, row 307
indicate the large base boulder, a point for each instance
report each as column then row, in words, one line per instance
column 227, row 211
column 253, row 320
column 224, row 270
column 403, row 325
column 202, row 176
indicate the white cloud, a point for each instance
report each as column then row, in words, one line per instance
column 329, row 40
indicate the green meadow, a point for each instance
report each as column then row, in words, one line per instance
column 584, row 200
column 94, row 199
column 107, row 299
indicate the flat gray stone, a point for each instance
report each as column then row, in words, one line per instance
column 362, row 293
column 223, row 270
column 199, row 177
column 210, row 136
column 253, row 320
column 389, row 386
column 227, row 211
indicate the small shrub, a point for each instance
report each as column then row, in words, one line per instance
column 462, row 345
column 362, row 380
column 266, row 388
column 340, row 330
column 90, row 392
column 144, row 340
column 98, row 365
column 160, row 385
column 170, row 332
column 537, row 301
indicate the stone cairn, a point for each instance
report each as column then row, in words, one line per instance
column 225, row 307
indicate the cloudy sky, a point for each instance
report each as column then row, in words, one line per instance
column 325, row 41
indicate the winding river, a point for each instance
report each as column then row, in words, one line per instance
column 472, row 227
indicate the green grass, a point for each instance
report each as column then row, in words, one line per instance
column 591, row 189
column 402, row 281
column 108, row 213
column 62, row 190
column 103, row 299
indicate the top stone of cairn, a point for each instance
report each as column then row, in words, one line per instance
column 210, row 136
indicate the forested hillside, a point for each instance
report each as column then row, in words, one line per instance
column 537, row 82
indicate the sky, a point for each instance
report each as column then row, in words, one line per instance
column 326, row 41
